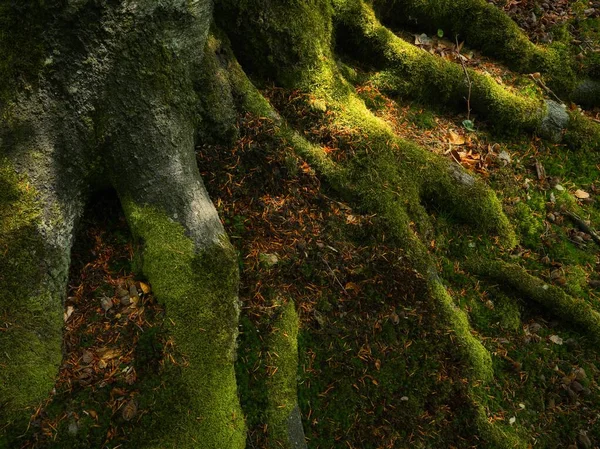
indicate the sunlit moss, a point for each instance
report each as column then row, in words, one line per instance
column 281, row 384
column 199, row 291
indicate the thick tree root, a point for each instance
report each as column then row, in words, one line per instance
column 284, row 423
column 407, row 71
column 481, row 25
column 33, row 278
column 198, row 396
column 575, row 310
column 38, row 211
column 389, row 177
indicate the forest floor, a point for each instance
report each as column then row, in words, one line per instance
column 376, row 370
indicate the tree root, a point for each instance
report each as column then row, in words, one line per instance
column 583, row 225
column 284, row 423
column 407, row 71
column 555, row 300
column 389, row 177
column 199, row 290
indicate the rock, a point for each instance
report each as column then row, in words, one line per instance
column 133, row 292
column 583, row 440
column 125, row 300
column 580, row 374
column 268, row 260
column 555, row 121
column 130, row 410
column 587, row 93
column 106, row 303
column 295, row 430
column 73, row 428
column 594, row 283
column 534, row 328
column 576, row 387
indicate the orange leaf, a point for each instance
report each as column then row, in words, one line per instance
column 456, row 139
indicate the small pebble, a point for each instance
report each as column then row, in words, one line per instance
column 87, row 357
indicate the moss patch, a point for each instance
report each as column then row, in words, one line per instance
column 283, row 370
column 197, row 396
column 30, row 312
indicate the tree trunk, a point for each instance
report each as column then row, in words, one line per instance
column 117, row 94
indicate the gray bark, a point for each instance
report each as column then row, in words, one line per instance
column 114, row 105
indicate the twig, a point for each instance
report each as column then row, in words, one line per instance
column 334, row 276
column 469, row 82
column 539, row 81
column 583, row 226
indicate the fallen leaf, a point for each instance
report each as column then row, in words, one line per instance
column 145, row 288
column 129, row 410
column 456, row 139
column 106, row 303
column 556, row 339
column 422, row 39
column 108, row 353
column 87, row 357
column 540, row 170
column 68, row 313
column 504, row 156
column 581, row 194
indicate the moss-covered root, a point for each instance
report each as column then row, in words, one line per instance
column 483, row 26
column 197, row 404
column 582, row 133
column 284, row 423
column 494, row 435
column 555, row 300
column 412, row 72
column 34, row 261
column 477, row 358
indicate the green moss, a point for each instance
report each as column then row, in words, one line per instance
column 197, row 400
column 576, row 282
column 478, row 358
column 423, row 118
column 281, row 384
column 582, row 134
column 575, row 310
column 407, row 71
column 483, row 26
column 530, row 225
column 30, row 315
column 497, row 436
column 281, row 42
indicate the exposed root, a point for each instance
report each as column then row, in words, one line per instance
column 389, row 177
column 575, row 310
column 284, row 423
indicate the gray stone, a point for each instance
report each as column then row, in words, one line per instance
column 268, row 260
column 587, row 93
column 555, row 121
column 295, row 430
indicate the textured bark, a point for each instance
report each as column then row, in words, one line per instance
column 114, row 104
